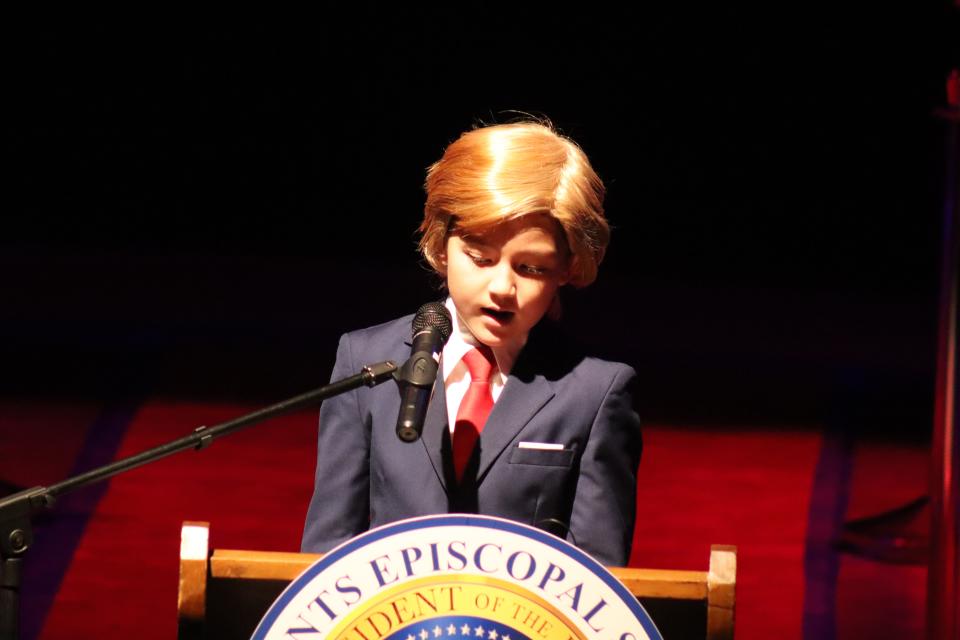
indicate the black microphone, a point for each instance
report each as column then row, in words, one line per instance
column 431, row 330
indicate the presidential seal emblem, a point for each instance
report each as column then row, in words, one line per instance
column 456, row 577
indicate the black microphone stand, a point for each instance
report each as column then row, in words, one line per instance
column 16, row 510
column 926, row 531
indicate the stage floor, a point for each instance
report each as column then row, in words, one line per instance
column 778, row 492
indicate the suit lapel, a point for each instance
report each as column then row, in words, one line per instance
column 434, row 423
column 435, row 427
column 519, row 402
column 526, row 392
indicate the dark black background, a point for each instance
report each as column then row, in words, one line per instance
column 191, row 196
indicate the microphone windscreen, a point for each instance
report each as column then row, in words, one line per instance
column 433, row 315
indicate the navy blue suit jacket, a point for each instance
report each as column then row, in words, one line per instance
column 366, row 476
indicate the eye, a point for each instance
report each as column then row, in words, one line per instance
column 478, row 258
column 533, row 270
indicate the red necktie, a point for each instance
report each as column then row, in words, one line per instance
column 474, row 408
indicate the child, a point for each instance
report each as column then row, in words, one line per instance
column 520, row 425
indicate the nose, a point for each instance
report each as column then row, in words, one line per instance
column 502, row 282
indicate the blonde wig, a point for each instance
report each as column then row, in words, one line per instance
column 502, row 172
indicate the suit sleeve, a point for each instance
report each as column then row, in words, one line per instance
column 604, row 506
column 340, row 507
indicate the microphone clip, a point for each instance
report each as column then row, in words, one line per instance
column 420, row 370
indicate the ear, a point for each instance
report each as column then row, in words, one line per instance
column 441, row 264
column 555, row 310
column 572, row 267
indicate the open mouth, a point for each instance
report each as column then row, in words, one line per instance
column 498, row 315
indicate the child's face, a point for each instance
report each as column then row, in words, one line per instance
column 503, row 281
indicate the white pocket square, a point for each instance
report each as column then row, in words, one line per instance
column 543, row 446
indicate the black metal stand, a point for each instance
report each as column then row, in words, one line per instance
column 943, row 579
column 927, row 530
column 16, row 511
column 898, row 536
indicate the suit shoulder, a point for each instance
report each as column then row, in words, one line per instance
column 392, row 330
column 384, row 341
column 607, row 368
column 602, row 376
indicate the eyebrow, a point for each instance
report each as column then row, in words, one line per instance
column 534, row 251
column 539, row 251
column 473, row 238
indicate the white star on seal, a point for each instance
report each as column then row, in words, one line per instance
column 493, row 634
column 465, row 629
column 504, row 637
column 424, row 635
column 451, row 630
column 437, row 631
column 478, row 631
column 410, row 637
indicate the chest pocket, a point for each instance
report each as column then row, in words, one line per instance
column 541, row 457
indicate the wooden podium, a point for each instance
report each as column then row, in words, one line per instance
column 225, row 593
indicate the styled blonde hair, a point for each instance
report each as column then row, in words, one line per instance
column 503, row 172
